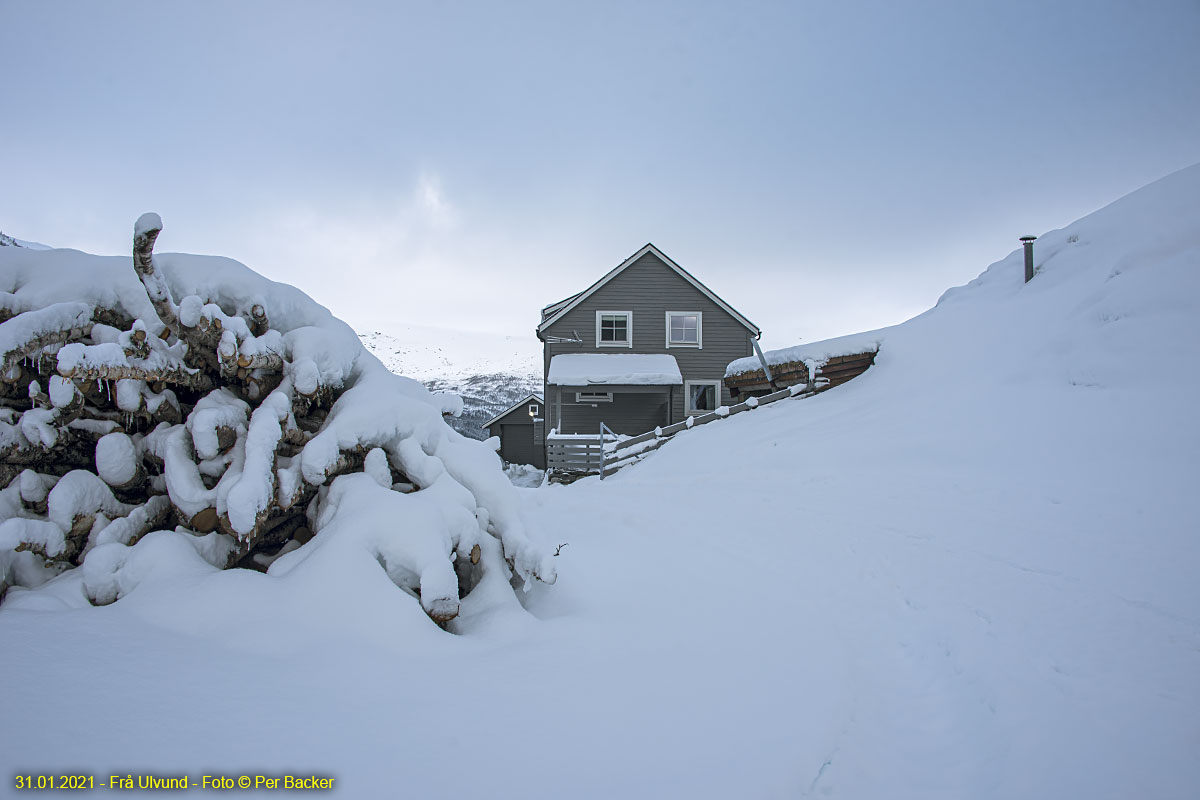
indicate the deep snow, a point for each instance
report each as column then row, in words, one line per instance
column 970, row 572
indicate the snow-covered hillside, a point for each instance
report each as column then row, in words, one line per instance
column 489, row 371
column 968, row 573
column 437, row 354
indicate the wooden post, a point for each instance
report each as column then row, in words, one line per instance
column 558, row 426
column 1028, row 242
column 762, row 360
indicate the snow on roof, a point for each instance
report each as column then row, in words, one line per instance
column 815, row 352
column 512, row 408
column 585, row 369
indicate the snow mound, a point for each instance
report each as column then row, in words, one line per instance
column 229, row 455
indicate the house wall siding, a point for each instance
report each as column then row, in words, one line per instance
column 649, row 288
column 627, row 413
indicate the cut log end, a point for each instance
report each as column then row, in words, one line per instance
column 442, row 610
column 205, row 521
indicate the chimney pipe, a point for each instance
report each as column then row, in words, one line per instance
column 1028, row 242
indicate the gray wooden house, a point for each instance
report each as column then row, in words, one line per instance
column 521, row 428
column 644, row 346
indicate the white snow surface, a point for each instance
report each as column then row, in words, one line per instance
column 968, row 573
column 636, row 369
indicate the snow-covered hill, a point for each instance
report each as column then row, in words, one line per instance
column 489, row 371
column 968, row 573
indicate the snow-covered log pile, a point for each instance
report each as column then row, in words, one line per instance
column 190, row 395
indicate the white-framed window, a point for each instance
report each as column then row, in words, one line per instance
column 614, row 329
column 701, row 397
column 593, row 397
column 533, row 409
column 685, row 329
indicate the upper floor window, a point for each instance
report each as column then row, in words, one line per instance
column 614, row 329
column 685, row 329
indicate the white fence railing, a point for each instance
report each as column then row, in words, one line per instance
column 604, row 453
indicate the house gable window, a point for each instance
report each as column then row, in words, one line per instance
column 685, row 329
column 533, row 409
column 614, row 329
column 701, row 397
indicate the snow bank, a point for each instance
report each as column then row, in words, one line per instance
column 223, row 461
column 970, row 573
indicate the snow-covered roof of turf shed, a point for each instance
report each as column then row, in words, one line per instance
column 513, row 408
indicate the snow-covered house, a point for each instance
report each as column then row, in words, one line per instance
column 646, row 345
column 521, row 428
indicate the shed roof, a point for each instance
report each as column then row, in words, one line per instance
column 513, row 408
column 556, row 311
column 629, row 369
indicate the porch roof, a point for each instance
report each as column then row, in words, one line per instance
column 606, row 369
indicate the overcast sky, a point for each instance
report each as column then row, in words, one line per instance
column 826, row 167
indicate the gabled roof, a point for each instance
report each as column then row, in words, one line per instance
column 556, row 311
column 513, row 408
column 553, row 308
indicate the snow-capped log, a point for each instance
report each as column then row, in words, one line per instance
column 191, row 393
column 26, row 334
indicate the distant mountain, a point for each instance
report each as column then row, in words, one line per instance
column 491, row 372
column 9, row 241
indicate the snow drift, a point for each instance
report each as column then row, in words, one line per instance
column 968, row 573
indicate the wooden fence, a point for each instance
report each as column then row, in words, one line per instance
column 574, row 454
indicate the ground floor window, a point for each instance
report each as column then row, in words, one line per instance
column 702, row 396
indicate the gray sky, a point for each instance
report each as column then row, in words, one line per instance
column 825, row 167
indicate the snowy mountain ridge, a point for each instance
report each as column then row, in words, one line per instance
column 454, row 357
column 489, row 371
column 9, row 241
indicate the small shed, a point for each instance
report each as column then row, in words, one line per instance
column 522, row 431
